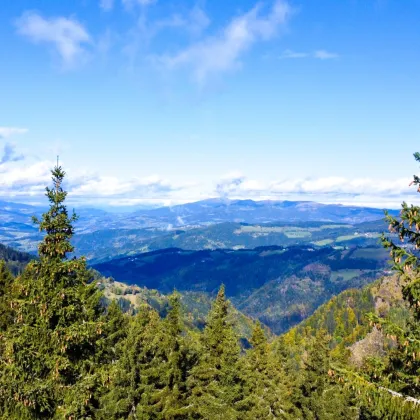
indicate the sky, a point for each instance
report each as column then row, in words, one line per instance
column 158, row 102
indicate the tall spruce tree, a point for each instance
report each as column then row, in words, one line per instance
column 132, row 378
column 174, row 366
column 164, row 369
column 48, row 365
column 400, row 370
column 320, row 396
column 215, row 384
column 265, row 393
column 6, row 281
column 310, row 399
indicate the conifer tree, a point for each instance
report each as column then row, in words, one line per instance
column 6, row 281
column 47, row 368
column 115, row 326
column 403, row 370
column 215, row 383
column 176, row 364
column 265, row 393
column 164, row 370
column 313, row 381
column 131, row 378
column 400, row 371
column 319, row 396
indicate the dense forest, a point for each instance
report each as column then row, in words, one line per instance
column 15, row 260
column 66, row 355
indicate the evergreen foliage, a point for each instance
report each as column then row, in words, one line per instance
column 6, row 281
column 266, row 390
column 400, row 371
column 215, row 382
column 47, row 366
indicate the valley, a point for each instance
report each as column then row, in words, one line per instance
column 276, row 267
column 281, row 286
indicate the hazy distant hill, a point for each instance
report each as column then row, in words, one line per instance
column 105, row 244
column 113, row 234
column 249, row 211
column 280, row 286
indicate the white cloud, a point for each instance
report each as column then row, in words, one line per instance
column 68, row 36
column 197, row 20
column 358, row 191
column 194, row 22
column 318, row 54
column 324, row 55
column 293, row 54
column 6, row 132
column 107, row 186
column 20, row 179
column 107, row 4
column 26, row 179
column 131, row 3
column 221, row 53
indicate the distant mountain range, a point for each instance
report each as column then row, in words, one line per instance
column 248, row 211
column 17, row 230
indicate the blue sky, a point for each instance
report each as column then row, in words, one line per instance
column 172, row 101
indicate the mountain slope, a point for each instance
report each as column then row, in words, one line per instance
column 344, row 317
column 195, row 305
column 15, row 260
column 281, row 286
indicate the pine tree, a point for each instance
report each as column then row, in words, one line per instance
column 215, row 383
column 313, row 381
column 165, row 369
column 176, row 364
column 132, row 378
column 400, row 371
column 6, row 281
column 403, row 371
column 265, row 393
column 115, row 328
column 319, row 396
column 48, row 366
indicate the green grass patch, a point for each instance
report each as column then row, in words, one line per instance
column 335, row 227
column 323, row 242
column 346, row 238
column 260, row 229
column 298, row 234
column 346, row 274
column 377, row 254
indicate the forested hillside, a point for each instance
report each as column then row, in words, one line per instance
column 194, row 305
column 280, row 286
column 15, row 260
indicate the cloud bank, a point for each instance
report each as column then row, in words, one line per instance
column 25, row 180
